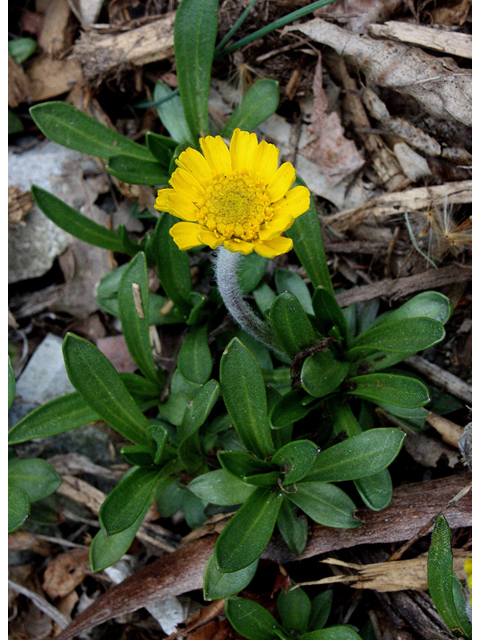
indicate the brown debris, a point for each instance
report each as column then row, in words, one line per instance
column 19, row 89
column 50, row 77
column 19, row 204
column 58, row 28
column 65, row 572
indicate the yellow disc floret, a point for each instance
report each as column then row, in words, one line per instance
column 236, row 197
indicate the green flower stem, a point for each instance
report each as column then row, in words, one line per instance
column 227, row 280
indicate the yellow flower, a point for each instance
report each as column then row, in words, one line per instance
column 468, row 571
column 235, row 197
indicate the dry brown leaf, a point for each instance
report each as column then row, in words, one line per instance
column 22, row 540
column 19, row 204
column 358, row 14
column 439, row 85
column 58, row 29
column 19, row 89
column 65, row 572
column 50, row 77
column 335, row 156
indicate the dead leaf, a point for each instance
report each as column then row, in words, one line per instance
column 358, row 14
column 58, row 28
column 335, row 156
column 428, row 452
column 19, row 89
column 65, row 572
column 19, row 204
column 50, row 77
column 439, row 85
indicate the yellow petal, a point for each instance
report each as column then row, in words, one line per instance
column 217, row 155
column 282, row 180
column 295, row 202
column 265, row 161
column 209, row 238
column 242, row 148
column 193, row 161
column 236, row 245
column 176, row 204
column 187, row 185
column 275, row 227
column 185, row 235
column 275, row 247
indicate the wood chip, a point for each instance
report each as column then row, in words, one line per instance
column 19, row 89
column 450, row 431
column 50, row 77
column 58, row 28
column 442, row 379
column 450, row 42
column 19, row 204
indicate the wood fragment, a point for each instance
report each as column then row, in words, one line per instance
column 19, row 204
column 450, row 42
column 100, row 55
column 441, row 378
column 58, row 29
column 395, row 289
column 19, row 89
column 51, row 77
column 450, row 431
column 43, row 605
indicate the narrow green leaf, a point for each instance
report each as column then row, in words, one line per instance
column 294, row 608
column 124, row 504
column 195, row 360
column 250, row 619
column 289, row 409
column 21, row 49
column 376, row 490
column 245, row 398
column 326, row 504
column 248, row 468
column 264, row 297
column 133, row 305
column 173, row 265
column 75, row 223
column 401, row 391
column 291, row 324
column 258, row 104
column 160, row 436
column 100, row 385
column 339, row 632
column 358, row 456
column 428, row 304
column 74, row 129
column 199, row 409
column 221, row 488
column 217, row 584
column 293, row 528
column 15, row 125
column 136, row 170
column 195, row 31
column 295, row 459
column 322, row 373
column 18, row 507
column 440, row 577
column 249, row 531
column 308, row 245
column 321, row 606
column 328, row 313
column 161, row 147
column 35, row 476
column 250, row 272
column 171, row 114
column 286, row 280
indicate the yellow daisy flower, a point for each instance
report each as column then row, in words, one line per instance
column 235, row 197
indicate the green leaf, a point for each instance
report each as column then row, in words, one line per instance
column 291, row 324
column 322, row 373
column 221, row 488
column 18, row 507
column 248, row 468
column 321, row 606
column 250, row 619
column 159, row 436
column 171, row 114
column 15, row 125
column 440, row 578
column 133, row 306
column 294, row 608
column 173, row 265
column 286, row 280
column 75, row 223
column 358, row 456
column 339, row 632
column 217, row 584
column 21, row 49
column 400, row 391
column 140, row 455
column 124, row 504
column 102, row 388
column 296, row 459
column 11, row 383
column 35, row 476
column 245, row 398
column 195, row 360
column 293, row 528
column 326, row 504
column 195, row 31
column 328, row 313
column 264, row 297
column 161, row 147
column 409, row 335
column 376, row 490
column 258, row 104
column 249, row 531
column 308, row 245
column 289, row 409
column 136, row 170
column 199, row 409
column 250, row 271
column 74, row 129
column 142, row 389
column 429, row 304
column 57, row 416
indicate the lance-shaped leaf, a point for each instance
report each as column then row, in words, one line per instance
column 217, row 584
column 400, row 391
column 289, row 409
column 339, row 632
column 171, row 114
column 244, row 395
column 293, row 527
column 356, row 457
column 286, row 280
column 249, row 531
column 199, row 409
column 291, row 324
column 376, row 490
column 308, row 245
column 248, row 468
column 133, row 306
column 75, row 223
column 220, row 487
column 295, row 459
column 161, row 147
column 35, row 476
column 322, row 373
column 250, row 272
column 326, row 504
column 195, row 31
column 294, row 607
column 136, row 170
column 251, row 620
column 258, row 104
column 195, row 360
column 102, row 388
column 74, row 129
column 428, row 304
column 321, row 606
column 328, row 313
column 18, row 507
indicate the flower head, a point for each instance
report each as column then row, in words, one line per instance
column 235, row 197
